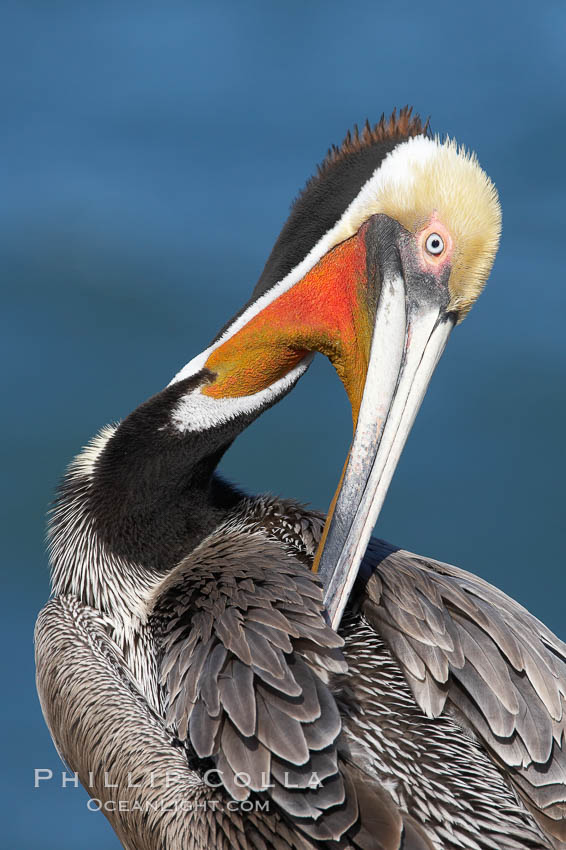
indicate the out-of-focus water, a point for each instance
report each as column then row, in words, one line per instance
column 149, row 155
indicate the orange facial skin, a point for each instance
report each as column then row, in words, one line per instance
column 330, row 310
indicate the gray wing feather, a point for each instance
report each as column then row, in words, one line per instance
column 305, row 707
column 246, row 755
column 277, row 637
column 236, row 693
column 208, row 682
column 203, row 729
column 462, row 642
column 241, row 631
column 286, row 684
column 282, row 734
column 98, row 717
column 273, row 619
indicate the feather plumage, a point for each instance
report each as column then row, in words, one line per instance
column 506, row 671
column 243, row 693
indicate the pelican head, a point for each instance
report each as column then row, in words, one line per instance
column 385, row 251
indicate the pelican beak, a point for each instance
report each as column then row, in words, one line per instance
column 410, row 331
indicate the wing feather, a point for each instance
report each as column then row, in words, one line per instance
column 242, row 633
column 236, row 693
column 462, row 643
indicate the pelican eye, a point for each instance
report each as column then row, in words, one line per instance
column 434, row 244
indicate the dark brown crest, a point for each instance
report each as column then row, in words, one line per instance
column 395, row 128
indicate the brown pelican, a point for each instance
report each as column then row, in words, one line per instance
column 186, row 666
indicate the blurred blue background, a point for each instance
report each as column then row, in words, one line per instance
column 150, row 152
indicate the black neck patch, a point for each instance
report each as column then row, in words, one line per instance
column 153, row 495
